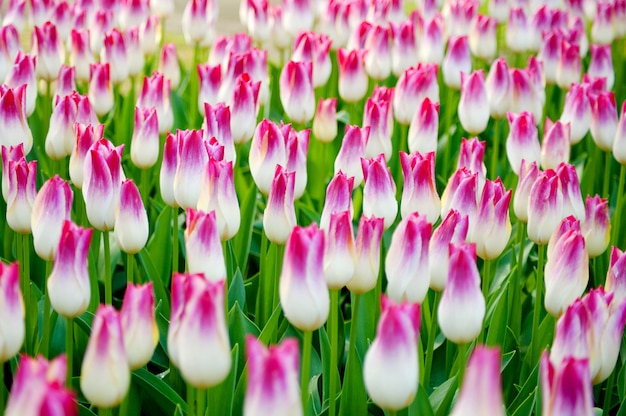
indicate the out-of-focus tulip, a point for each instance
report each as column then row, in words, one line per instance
column 168, row 169
column 471, row 157
column 390, row 368
column 603, row 26
column 352, row 76
column 453, row 229
column 243, row 108
column 15, row 15
column 473, row 106
column 413, row 86
column 81, row 56
column 325, row 121
column 39, row 388
column 352, row 150
column 481, row 393
column 105, row 374
column 524, row 95
column 114, row 53
column 144, row 145
column 266, row 151
column 14, row 128
column 574, row 335
column 461, row 194
column 379, row 191
column 12, row 307
column 566, row 388
column 569, row 68
column 62, row 132
column 338, row 198
column 549, row 52
column 100, row 88
column 217, row 193
column 555, row 146
column 191, row 161
column 204, row 248
column 133, row 13
column 168, row 64
column 431, row 48
column 616, row 275
column 597, row 226
column 601, row 64
column 48, row 48
column 603, row 119
column 314, row 48
column 21, row 193
column 482, row 37
column 66, row 83
column 279, row 216
column 462, row 308
column 297, row 147
column 198, row 20
column 423, row 130
column 102, row 183
column 297, row 15
column 68, row 284
column 138, row 321
column 577, row 112
column 303, row 291
column 367, row 245
column 86, row 136
column 210, row 77
column 131, row 220
column 523, row 140
column 150, row 35
column 339, row 251
column 545, row 206
column 378, row 56
column 456, row 61
column 52, row 205
column 155, row 92
column 492, row 228
column 517, row 30
column 407, row 257
column 566, row 271
column 23, row 72
column 404, row 46
column 572, row 199
column 527, row 175
column 619, row 143
column 419, row 192
column 296, row 91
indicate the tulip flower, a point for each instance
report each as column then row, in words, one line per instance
column 155, row 92
column 569, row 68
column 10, row 153
column 482, row 37
column 577, row 112
column 481, row 392
column 381, row 129
column 545, row 206
column 549, row 52
column 114, row 53
column 191, row 161
column 15, row 15
column 601, row 64
column 456, row 61
column 419, row 192
column 390, row 369
column 23, row 72
column 461, row 194
column 314, row 48
column 39, row 388
column 338, row 198
column 133, row 13
column 453, row 229
column 492, row 228
column 572, row 199
column 352, row 76
column 303, row 292
column 52, row 206
column 379, row 191
column 378, row 56
column 68, row 284
column 432, row 45
column 619, row 143
column 423, row 130
column 131, row 220
column 168, row 64
column 616, row 275
column 413, row 86
column 603, row 120
column 297, row 147
column 528, row 174
column 471, row 156
column 517, row 29
column 138, row 321
column 597, row 226
column 102, row 183
column 85, row 113
column 144, row 145
column 66, row 83
column 169, row 166
column 243, row 108
column 566, row 387
column 21, row 193
column 266, row 151
column 105, row 373
column 296, row 91
column 352, row 150
column 297, row 15
column 204, row 249
column 404, row 46
column 86, row 136
column 524, row 96
column 62, row 133
column 602, row 29
column 523, row 140
column 81, row 56
column 100, row 89
column 367, row 260
column 325, row 121
column 13, row 126
column 555, row 146
column 473, row 106
column 210, row 77
column 149, row 35
column 462, row 307
column 407, row 256
column 279, row 216
column 339, row 251
column 12, row 329
column 198, row 23
column 574, row 336
column 48, row 48
column 257, row 19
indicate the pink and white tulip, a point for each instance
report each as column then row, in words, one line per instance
column 12, row 329
column 453, row 229
column 52, row 206
column 203, row 245
column 138, row 321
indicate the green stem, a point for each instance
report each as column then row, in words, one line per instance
column 486, row 278
column 124, row 406
column 606, row 408
column 130, row 278
column 193, row 87
column 24, row 253
column 307, row 342
column 191, row 399
column 493, row 169
column 69, row 350
column 174, row 239
column 108, row 278
column 541, row 253
column 278, row 267
column 201, row 400
column 462, row 362
column 2, row 397
column 45, row 337
column 607, row 175
column 618, row 207
column 450, row 110
column 333, row 329
column 105, row 412
column 432, row 333
column 145, row 186
column 516, row 321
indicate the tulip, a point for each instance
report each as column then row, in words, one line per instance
column 492, row 229
column 338, row 198
column 210, row 77
column 432, row 45
column 523, row 140
column 569, row 68
column 407, row 256
column 456, row 61
column 198, row 23
column 114, row 53
column 14, row 154
column 619, row 143
column 419, row 192
column 367, row 254
column 150, row 35
column 100, row 90
column 517, row 30
column 303, row 293
column 404, row 46
column 577, row 112
column 296, row 91
column 528, row 174
column 12, row 328
column 378, row 56
column 524, row 96
column 144, row 145
column 471, row 156
column 352, row 150
column 191, row 161
column 86, row 136
column 15, row 15
column 574, row 336
column 461, row 194
column 297, row 15
column 482, row 37
column 453, row 229
column 133, row 13
column 217, row 193
column 52, row 206
column 379, row 191
column 38, row 388
column 105, row 374
column 339, row 251
column 169, row 66
column 549, row 52
column 325, row 121
column 131, row 221
column 169, row 166
column 381, row 129
column 48, row 48
column 81, row 56
column 352, row 76
column 460, row 15
column 272, row 378
column 139, row 327
column 68, row 284
column 481, row 392
column 572, row 199
column 162, row 8
column 297, row 147
column 155, row 92
column 602, row 29
column 545, row 206
column 13, row 126
column 257, row 19
column 601, row 64
column 62, row 133
column 566, row 387
column 102, row 183
column 390, row 367
column 21, row 193
column 555, row 146
column 314, row 48
column 597, row 226
column 66, row 83
column 23, row 72
column 217, row 124
column 603, row 120
column 473, row 105
column 423, row 130
column 243, row 107
column 566, row 271
column 203, row 245
column 279, row 216
column 266, row 151
column 413, row 86
column 616, row 275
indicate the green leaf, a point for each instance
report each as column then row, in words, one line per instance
column 147, row 266
column 499, row 318
column 526, row 408
column 236, row 291
column 84, row 411
column 269, row 330
column 157, row 393
column 528, row 389
column 243, row 238
column 160, row 247
column 421, row 404
column 353, row 396
column 441, row 397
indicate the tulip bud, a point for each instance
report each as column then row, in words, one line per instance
column 555, row 146
column 338, row 198
column 523, row 140
column 413, row 86
column 168, row 64
column 419, row 192
column 131, row 220
column 597, row 225
column 453, row 229
column 81, row 56
column 155, row 92
column 381, row 129
column 210, row 77
column 352, row 76
column 461, row 194
column 13, row 126
column 22, row 190
column 144, row 145
column 244, row 107
column 482, row 37
column 100, row 90
column 566, row 388
column 572, row 199
column 297, row 147
column 527, row 175
column 431, row 48
column 325, row 121
column 603, row 120
column 404, row 46
column 192, row 157
column 12, row 308
column 619, row 144
column 217, row 125
column 114, row 53
column 62, row 134
column 492, row 228
column 23, row 72
column 601, row 64
column 339, row 251
column 266, row 151
column 524, row 97
column 48, row 48
column 456, row 61
column 138, row 321
column 352, row 150
column 545, row 206
column 198, row 23
column 471, row 156
column 279, row 216
column 569, row 68
column 390, row 368
column 517, row 30
column 367, row 260
column 297, row 16
column 423, row 130
column 603, row 27
column 86, row 136
column 52, row 206
column 577, row 112
column 379, row 191
column 574, row 336
column 481, row 392
column 204, row 249
column 473, row 106
column 105, row 374
column 303, row 292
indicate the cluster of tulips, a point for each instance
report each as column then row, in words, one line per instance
column 253, row 262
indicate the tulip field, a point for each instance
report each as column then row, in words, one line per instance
column 350, row 207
